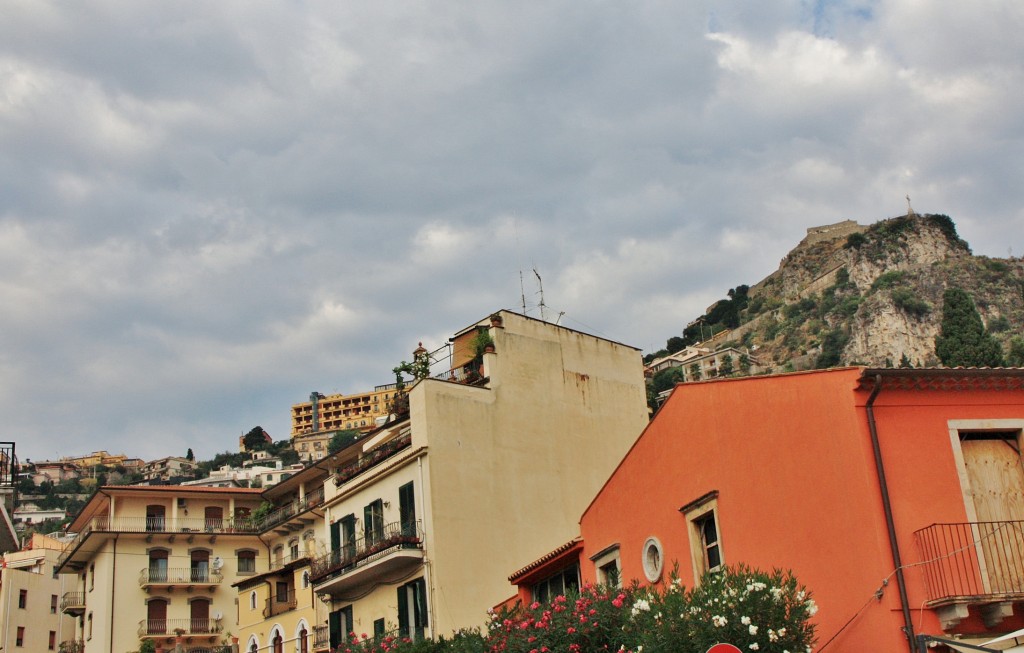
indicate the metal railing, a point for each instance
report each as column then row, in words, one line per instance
column 276, row 604
column 365, row 549
column 72, row 600
column 284, row 513
column 157, row 525
column 164, row 627
column 279, row 563
column 372, row 458
column 321, row 638
column 972, row 560
column 179, row 576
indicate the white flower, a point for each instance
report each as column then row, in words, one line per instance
column 754, row 646
column 753, row 630
column 812, row 607
column 772, row 636
column 776, row 593
column 719, row 621
column 745, row 621
column 782, row 632
column 801, row 595
column 640, row 606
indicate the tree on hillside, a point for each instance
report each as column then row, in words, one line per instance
column 190, row 455
column 963, row 341
column 256, row 439
column 341, row 440
column 1016, row 355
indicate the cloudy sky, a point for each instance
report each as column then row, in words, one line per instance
column 210, row 209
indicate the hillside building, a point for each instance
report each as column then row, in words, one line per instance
column 339, row 412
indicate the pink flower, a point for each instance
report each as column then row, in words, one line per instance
column 570, row 630
column 617, row 602
column 534, row 605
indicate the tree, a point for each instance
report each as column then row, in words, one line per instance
column 341, row 440
column 695, row 371
column 905, row 361
column 726, row 368
column 1016, row 355
column 190, row 455
column 255, row 439
column 963, row 341
column 674, row 344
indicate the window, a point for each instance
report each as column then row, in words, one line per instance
column 252, row 601
column 92, row 577
column 557, row 584
column 378, row 628
column 247, row 562
column 20, row 639
column 373, row 522
column 305, row 579
column 53, row 604
column 22, row 598
column 339, row 626
column 158, row 565
column 412, row 609
column 705, row 543
column 608, row 567
column 653, row 559
column 407, row 509
column 293, row 548
column 88, row 627
column 52, row 641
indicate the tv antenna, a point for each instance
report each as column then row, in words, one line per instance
column 540, row 285
column 522, row 291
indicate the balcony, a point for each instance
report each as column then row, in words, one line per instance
column 73, row 603
column 372, row 458
column 975, row 564
column 186, row 627
column 321, row 638
column 392, row 552
column 179, row 577
column 279, row 604
column 291, row 510
column 284, row 561
column 190, row 526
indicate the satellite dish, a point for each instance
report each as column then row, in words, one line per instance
column 218, row 562
column 217, row 616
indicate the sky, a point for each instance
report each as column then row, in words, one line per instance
column 210, row 209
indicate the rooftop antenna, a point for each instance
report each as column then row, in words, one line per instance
column 560, row 314
column 522, row 291
column 540, row 284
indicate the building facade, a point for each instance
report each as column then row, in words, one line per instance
column 896, row 496
column 492, row 464
column 157, row 563
column 30, row 591
column 339, row 412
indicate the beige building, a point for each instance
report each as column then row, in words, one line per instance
column 30, row 591
column 157, row 562
column 489, row 469
column 277, row 610
column 313, row 446
column 165, row 469
column 339, row 412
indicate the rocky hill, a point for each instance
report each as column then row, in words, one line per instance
column 855, row 294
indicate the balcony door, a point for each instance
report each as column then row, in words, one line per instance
column 200, row 566
column 155, row 518
column 995, row 474
column 214, row 518
column 200, row 612
column 158, row 566
column 407, row 509
column 156, row 617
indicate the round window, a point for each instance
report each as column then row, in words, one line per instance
column 653, row 559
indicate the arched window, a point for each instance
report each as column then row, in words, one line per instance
column 305, row 579
column 278, row 642
column 252, row 601
column 303, row 644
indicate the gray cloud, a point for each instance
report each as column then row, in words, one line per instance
column 207, row 211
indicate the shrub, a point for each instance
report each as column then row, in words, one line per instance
column 888, row 279
column 905, row 300
column 855, row 240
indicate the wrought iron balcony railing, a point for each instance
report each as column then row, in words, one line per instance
column 168, row 627
column 180, row 576
column 157, row 525
column 365, row 549
column 973, row 561
column 321, row 638
column 72, row 602
column 284, row 513
column 372, row 458
column 280, row 603
column 71, row 646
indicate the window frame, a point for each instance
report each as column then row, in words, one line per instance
column 605, row 558
column 697, row 513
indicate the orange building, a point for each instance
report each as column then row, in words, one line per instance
column 895, row 495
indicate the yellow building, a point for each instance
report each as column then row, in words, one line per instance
column 339, row 412
column 277, row 610
column 489, row 469
column 158, row 562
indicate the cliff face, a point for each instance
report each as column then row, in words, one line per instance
column 852, row 294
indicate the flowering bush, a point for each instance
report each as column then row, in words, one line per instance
column 754, row 610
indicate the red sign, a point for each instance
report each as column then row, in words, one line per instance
column 724, row 648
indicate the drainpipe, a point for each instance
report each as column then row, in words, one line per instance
column 113, row 594
column 908, row 627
